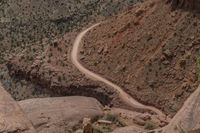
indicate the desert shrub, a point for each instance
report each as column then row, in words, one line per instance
column 179, row 129
column 49, row 61
column 102, row 129
column 50, row 54
column 115, row 119
column 149, row 125
column 198, row 65
column 96, row 118
column 59, row 78
column 111, row 117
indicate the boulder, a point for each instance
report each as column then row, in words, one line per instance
column 50, row 115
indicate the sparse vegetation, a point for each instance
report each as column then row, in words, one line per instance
column 179, row 129
column 49, row 61
column 147, row 48
column 111, row 117
column 115, row 119
column 149, row 125
column 191, row 4
column 198, row 64
column 50, row 54
column 59, row 78
column 28, row 28
column 102, row 129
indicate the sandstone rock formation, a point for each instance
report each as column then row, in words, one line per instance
column 12, row 118
column 187, row 119
column 60, row 114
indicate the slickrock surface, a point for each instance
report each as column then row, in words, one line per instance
column 63, row 114
column 12, row 118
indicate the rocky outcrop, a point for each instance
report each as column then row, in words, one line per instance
column 12, row 118
column 187, row 119
column 60, row 114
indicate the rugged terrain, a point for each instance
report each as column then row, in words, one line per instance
column 150, row 51
column 146, row 52
column 29, row 30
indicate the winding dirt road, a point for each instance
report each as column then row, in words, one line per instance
column 123, row 95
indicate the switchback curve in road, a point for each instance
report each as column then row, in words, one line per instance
column 123, row 95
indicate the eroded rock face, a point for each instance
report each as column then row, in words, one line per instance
column 187, row 119
column 60, row 114
column 12, row 119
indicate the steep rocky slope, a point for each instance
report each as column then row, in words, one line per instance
column 164, row 75
column 187, row 4
column 54, row 74
column 28, row 31
column 150, row 50
column 30, row 21
column 23, row 22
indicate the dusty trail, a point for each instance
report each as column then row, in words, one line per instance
column 123, row 95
